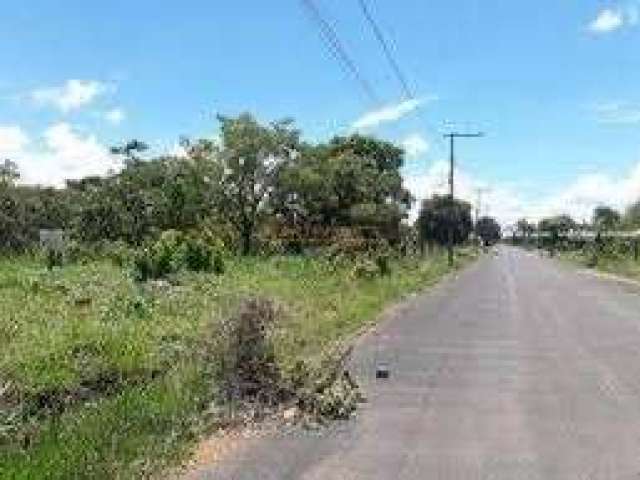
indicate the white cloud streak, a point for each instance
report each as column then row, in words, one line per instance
column 387, row 114
column 73, row 95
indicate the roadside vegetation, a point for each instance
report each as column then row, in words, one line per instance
column 610, row 242
column 183, row 294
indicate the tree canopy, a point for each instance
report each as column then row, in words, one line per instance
column 488, row 229
column 439, row 216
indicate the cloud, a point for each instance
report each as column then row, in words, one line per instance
column 617, row 112
column 61, row 152
column 607, row 20
column 588, row 191
column 415, row 145
column 508, row 204
column 12, row 140
column 115, row 116
column 614, row 18
column 74, row 94
column 501, row 201
column 389, row 113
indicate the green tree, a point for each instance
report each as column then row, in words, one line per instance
column 9, row 173
column 251, row 157
column 632, row 215
column 524, row 227
column 439, row 215
column 557, row 225
column 488, row 229
column 352, row 181
column 605, row 218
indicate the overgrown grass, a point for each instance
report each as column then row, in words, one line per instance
column 103, row 378
column 623, row 265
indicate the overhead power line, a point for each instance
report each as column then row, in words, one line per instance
column 337, row 49
column 386, row 49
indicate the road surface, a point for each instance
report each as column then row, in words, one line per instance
column 519, row 368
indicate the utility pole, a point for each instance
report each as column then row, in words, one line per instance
column 452, row 136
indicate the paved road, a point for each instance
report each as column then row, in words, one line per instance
column 518, row 369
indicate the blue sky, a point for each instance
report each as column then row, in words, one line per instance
column 555, row 85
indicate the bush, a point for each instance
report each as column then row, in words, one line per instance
column 197, row 255
column 173, row 252
column 365, row 268
column 382, row 261
column 249, row 369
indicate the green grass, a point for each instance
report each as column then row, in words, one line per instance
column 120, row 364
column 622, row 265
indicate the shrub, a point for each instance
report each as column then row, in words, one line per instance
column 249, row 368
column 365, row 268
column 197, row 255
column 173, row 252
column 159, row 259
column 382, row 262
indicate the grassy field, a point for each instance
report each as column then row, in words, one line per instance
column 101, row 377
column 624, row 266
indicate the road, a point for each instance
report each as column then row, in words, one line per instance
column 519, row 368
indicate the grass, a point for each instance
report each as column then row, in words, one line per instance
column 104, row 378
column 622, row 265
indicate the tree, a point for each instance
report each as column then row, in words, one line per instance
column 9, row 173
column 524, row 227
column 130, row 151
column 251, row 156
column 352, row 182
column 438, row 215
column 605, row 218
column 488, row 229
column 557, row 225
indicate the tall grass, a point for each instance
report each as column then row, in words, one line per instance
column 104, row 378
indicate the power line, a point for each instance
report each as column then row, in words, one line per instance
column 385, row 47
column 337, row 49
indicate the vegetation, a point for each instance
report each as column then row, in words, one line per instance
column 611, row 242
column 103, row 377
column 442, row 219
column 182, row 290
column 488, row 230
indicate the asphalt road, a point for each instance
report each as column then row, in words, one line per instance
column 519, row 368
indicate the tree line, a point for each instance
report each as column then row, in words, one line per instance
column 260, row 186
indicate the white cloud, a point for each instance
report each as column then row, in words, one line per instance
column 614, row 18
column 415, row 145
column 617, row 112
column 115, row 116
column 500, row 201
column 588, row 191
column 607, row 20
column 61, row 153
column 12, row 140
column 74, row 94
column 389, row 113
column 507, row 204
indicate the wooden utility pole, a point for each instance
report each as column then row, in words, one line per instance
column 452, row 136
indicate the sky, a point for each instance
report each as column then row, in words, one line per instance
column 554, row 85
